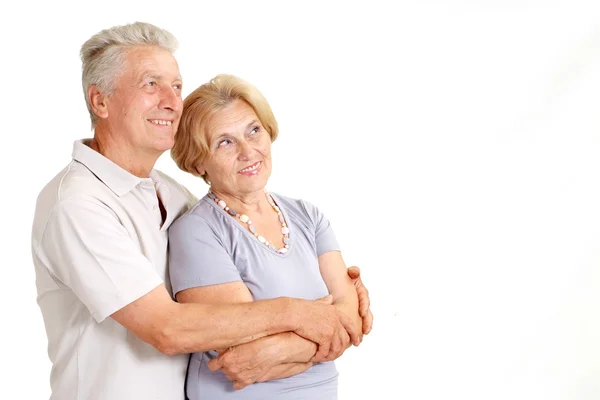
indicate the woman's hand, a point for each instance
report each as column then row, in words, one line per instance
column 364, row 303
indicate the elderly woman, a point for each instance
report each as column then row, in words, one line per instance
column 241, row 243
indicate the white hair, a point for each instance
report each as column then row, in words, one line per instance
column 103, row 55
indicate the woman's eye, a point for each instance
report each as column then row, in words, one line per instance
column 255, row 130
column 224, row 143
column 151, row 83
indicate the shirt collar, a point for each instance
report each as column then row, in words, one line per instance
column 116, row 178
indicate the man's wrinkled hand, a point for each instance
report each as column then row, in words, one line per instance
column 245, row 364
column 339, row 344
column 319, row 322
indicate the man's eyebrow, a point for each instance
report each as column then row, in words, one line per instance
column 157, row 77
column 151, row 76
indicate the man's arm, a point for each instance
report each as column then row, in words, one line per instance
column 273, row 356
column 175, row 328
column 260, row 356
column 288, row 353
column 106, row 270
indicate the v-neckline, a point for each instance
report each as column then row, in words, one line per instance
column 249, row 234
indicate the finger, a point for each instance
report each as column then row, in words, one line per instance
column 351, row 329
column 354, row 272
column 344, row 344
column 229, row 375
column 368, row 323
column 237, row 385
column 336, row 346
column 364, row 302
column 322, row 352
column 327, row 299
column 345, row 340
column 215, row 364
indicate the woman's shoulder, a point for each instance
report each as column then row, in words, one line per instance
column 200, row 214
column 298, row 208
column 288, row 203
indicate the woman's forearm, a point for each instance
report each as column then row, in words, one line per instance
column 286, row 347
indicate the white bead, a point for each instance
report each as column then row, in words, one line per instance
column 261, row 239
column 283, row 250
column 285, row 230
column 244, row 218
column 222, row 204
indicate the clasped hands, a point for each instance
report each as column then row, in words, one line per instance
column 290, row 353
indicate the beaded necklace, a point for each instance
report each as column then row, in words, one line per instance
column 285, row 230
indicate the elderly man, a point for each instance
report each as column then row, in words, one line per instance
column 99, row 243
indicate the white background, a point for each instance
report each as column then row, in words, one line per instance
column 453, row 144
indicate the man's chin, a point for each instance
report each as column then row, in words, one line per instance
column 165, row 144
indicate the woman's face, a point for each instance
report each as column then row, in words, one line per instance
column 239, row 162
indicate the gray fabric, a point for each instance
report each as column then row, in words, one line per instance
column 207, row 247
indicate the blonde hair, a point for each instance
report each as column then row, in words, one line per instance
column 191, row 144
column 103, row 55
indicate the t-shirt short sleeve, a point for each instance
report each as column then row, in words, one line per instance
column 325, row 239
column 88, row 250
column 197, row 256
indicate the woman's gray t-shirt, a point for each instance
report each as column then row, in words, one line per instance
column 207, row 247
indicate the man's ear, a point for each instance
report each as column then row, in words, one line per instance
column 98, row 101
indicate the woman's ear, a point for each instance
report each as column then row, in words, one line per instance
column 200, row 169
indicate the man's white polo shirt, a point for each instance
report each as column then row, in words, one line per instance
column 98, row 244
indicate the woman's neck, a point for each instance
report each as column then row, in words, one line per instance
column 250, row 203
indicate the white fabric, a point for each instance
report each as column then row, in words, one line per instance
column 98, row 243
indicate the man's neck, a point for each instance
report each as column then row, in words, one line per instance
column 135, row 162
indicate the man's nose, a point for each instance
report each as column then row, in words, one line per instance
column 170, row 100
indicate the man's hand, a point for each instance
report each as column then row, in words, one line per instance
column 343, row 338
column 364, row 303
column 285, row 371
column 247, row 363
column 319, row 322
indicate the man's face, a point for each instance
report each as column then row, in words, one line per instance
column 146, row 106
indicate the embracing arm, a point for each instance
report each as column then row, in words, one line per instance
column 107, row 272
column 272, row 357
column 286, row 354
column 175, row 328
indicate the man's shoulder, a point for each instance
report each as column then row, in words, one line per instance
column 173, row 185
column 72, row 181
